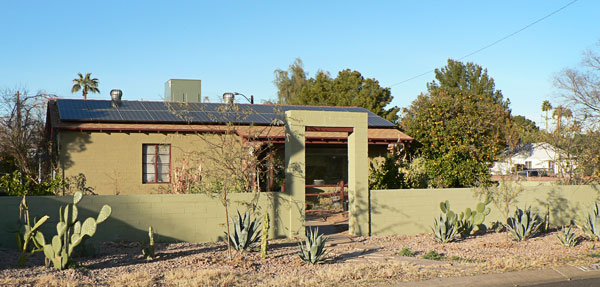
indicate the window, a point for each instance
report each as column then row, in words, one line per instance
column 156, row 163
column 528, row 165
column 551, row 165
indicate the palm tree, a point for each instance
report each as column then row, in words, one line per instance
column 86, row 84
column 559, row 113
column 546, row 106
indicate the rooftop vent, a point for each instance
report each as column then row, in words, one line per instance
column 115, row 97
column 228, row 98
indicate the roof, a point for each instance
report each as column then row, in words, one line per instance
column 102, row 111
column 263, row 122
column 539, row 150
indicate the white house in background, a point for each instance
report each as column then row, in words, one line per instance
column 534, row 156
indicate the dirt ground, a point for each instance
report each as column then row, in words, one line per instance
column 352, row 261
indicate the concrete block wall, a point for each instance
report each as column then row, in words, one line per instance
column 412, row 211
column 191, row 218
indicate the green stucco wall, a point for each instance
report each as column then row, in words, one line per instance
column 191, row 218
column 412, row 211
column 112, row 162
column 358, row 162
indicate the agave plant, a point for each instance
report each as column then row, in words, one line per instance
column 445, row 228
column 567, row 237
column 591, row 225
column 314, row 252
column 245, row 232
column 524, row 224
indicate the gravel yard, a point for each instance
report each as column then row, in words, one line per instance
column 358, row 261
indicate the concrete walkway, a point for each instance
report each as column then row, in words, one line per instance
column 560, row 276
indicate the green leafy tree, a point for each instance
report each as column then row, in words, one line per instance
column 526, row 129
column 460, row 123
column 86, row 84
column 291, row 82
column 546, row 106
column 349, row 88
column 388, row 173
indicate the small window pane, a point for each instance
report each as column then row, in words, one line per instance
column 162, row 168
column 149, row 149
column 148, row 159
column 163, row 149
column 163, row 177
column 149, row 177
column 148, row 168
column 163, row 159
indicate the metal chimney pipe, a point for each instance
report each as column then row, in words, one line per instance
column 115, row 96
column 228, row 98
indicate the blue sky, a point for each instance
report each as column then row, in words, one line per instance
column 136, row 46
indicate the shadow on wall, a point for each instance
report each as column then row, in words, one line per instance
column 276, row 204
column 562, row 211
column 73, row 143
column 174, row 218
column 112, row 229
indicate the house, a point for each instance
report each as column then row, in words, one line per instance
column 133, row 147
column 543, row 157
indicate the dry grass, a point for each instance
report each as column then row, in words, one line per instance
column 368, row 261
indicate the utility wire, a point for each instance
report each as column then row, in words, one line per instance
column 495, row 42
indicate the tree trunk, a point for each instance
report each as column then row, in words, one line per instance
column 227, row 222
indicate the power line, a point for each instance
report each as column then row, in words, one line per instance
column 495, row 42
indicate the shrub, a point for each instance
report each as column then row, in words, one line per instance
column 433, row 255
column 444, row 229
column 567, row 237
column 407, row 252
column 245, row 232
column 314, row 252
column 591, row 225
column 10, row 184
column 524, row 224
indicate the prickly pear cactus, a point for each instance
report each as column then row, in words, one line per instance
column 265, row 236
column 467, row 220
column 71, row 232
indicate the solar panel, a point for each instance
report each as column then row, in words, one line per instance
column 131, row 106
column 96, row 105
column 379, row 122
column 165, row 116
column 105, row 115
column 177, row 107
column 136, row 116
column 154, row 106
column 256, row 119
column 200, row 117
column 71, row 104
column 137, row 111
column 72, row 110
column 67, row 114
